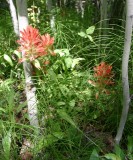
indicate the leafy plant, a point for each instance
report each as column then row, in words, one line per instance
column 88, row 33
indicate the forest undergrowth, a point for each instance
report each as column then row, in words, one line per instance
column 79, row 95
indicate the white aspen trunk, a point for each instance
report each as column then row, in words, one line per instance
column 65, row 1
column 14, row 17
column 30, row 89
column 79, row 5
column 125, row 60
column 49, row 5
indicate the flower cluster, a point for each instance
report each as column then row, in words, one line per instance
column 103, row 73
column 104, row 76
column 34, row 45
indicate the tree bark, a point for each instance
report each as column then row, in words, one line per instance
column 30, row 89
column 49, row 5
column 80, row 7
column 14, row 16
column 125, row 60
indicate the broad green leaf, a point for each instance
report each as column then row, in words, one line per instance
column 68, row 62
column 61, row 103
column 59, row 135
column 112, row 156
column 62, row 52
column 37, row 64
column 94, row 155
column 8, row 59
column 17, row 53
column 90, row 38
column 66, row 51
column 62, row 113
column 90, row 30
column 82, row 34
column 76, row 61
column 6, row 142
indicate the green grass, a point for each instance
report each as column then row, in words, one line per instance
column 72, row 121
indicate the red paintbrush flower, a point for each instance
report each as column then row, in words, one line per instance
column 103, row 73
column 47, row 40
column 32, row 44
column 103, row 70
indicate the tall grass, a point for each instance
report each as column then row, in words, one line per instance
column 71, row 118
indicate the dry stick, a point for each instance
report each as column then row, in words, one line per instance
column 30, row 89
column 125, row 59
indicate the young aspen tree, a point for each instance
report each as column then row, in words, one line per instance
column 14, row 17
column 30, row 89
column 125, row 60
column 80, row 7
column 49, row 5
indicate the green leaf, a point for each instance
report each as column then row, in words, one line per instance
column 66, row 51
column 130, row 144
column 64, row 89
column 90, row 30
column 62, row 113
column 8, row 59
column 76, row 61
column 48, row 140
column 6, row 142
column 2, row 110
column 94, row 155
column 119, row 152
column 82, row 34
column 72, row 103
column 68, row 62
column 62, row 52
column 112, row 156
column 90, row 38
column 58, row 135
column 61, row 103
column 52, row 75
column 37, row 64
column 18, row 54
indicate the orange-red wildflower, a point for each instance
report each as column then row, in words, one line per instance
column 103, row 70
column 33, row 45
column 103, row 73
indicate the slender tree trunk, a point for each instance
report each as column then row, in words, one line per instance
column 14, row 16
column 30, row 89
column 49, row 4
column 80, row 7
column 125, row 59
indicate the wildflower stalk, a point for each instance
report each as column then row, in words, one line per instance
column 14, row 17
